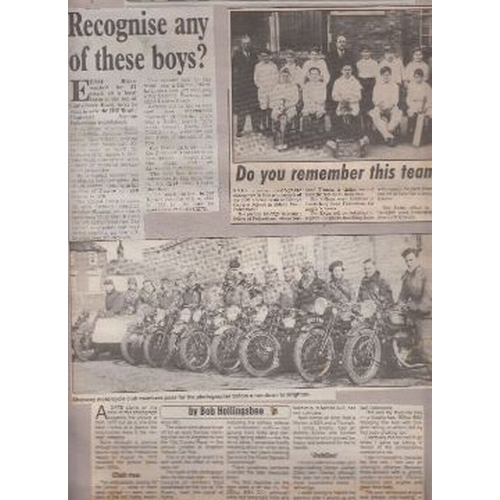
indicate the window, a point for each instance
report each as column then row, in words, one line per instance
column 299, row 31
column 92, row 259
column 425, row 29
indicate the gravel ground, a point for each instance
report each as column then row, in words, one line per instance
column 259, row 148
column 109, row 374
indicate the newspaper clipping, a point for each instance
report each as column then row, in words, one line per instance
column 142, row 118
column 250, row 247
column 347, row 88
column 250, row 313
column 241, row 452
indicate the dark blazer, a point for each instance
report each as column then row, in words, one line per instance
column 307, row 295
column 377, row 289
column 416, row 291
column 243, row 86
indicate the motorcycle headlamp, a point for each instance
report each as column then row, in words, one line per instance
column 367, row 309
column 320, row 305
column 232, row 313
column 256, row 301
column 289, row 322
column 185, row 315
column 218, row 321
column 197, row 315
column 261, row 315
column 160, row 315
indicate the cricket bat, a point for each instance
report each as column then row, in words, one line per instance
column 419, row 128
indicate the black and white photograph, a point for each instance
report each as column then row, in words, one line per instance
column 251, row 313
column 331, row 84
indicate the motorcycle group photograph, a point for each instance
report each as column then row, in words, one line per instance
column 284, row 322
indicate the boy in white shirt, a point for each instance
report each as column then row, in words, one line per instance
column 394, row 63
column 314, row 94
column 313, row 112
column 416, row 63
column 266, row 77
column 419, row 100
column 386, row 114
column 367, row 74
column 283, row 100
column 293, row 67
column 316, row 60
column 346, row 92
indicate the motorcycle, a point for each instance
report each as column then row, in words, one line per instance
column 132, row 344
column 328, row 333
column 81, row 337
column 142, row 325
column 314, row 352
column 189, row 343
column 398, row 332
column 385, row 335
column 226, row 339
column 155, row 347
column 362, row 355
column 267, row 346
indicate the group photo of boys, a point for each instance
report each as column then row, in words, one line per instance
column 317, row 84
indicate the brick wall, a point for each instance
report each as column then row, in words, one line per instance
column 351, row 250
column 397, row 28
column 385, row 250
column 387, row 254
column 210, row 256
column 300, row 30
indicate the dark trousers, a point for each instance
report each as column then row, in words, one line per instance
column 313, row 130
column 427, row 132
column 241, row 118
column 347, row 127
column 423, row 326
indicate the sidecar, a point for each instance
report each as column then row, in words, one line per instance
column 99, row 335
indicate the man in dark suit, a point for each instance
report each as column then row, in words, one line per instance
column 374, row 287
column 416, row 296
column 114, row 302
column 335, row 60
column 244, row 96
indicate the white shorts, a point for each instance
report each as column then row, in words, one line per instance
column 316, row 110
column 263, row 95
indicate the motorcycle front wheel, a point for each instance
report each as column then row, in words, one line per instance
column 156, row 349
column 224, row 351
column 194, row 351
column 313, row 355
column 259, row 354
column 83, row 347
column 131, row 346
column 362, row 356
